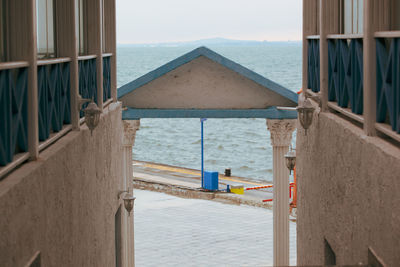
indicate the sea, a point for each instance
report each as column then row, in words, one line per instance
column 243, row 145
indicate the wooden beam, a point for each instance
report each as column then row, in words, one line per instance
column 269, row 113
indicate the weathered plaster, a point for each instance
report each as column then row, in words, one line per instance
column 63, row 204
column 348, row 188
column 203, row 84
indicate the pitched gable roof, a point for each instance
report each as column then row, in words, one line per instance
column 215, row 57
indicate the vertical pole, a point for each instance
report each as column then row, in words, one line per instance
column 33, row 117
column 95, row 43
column 111, row 42
column 99, row 53
column 369, row 69
column 22, row 46
column 305, row 47
column 66, row 47
column 202, row 153
column 323, row 50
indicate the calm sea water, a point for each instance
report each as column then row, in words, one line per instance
column 240, row 144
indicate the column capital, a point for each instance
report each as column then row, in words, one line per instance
column 281, row 131
column 130, row 128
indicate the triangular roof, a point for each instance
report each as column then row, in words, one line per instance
column 274, row 90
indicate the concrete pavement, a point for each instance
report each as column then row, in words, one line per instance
column 171, row 231
column 185, row 182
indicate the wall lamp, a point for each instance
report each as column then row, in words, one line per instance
column 305, row 112
column 128, row 199
column 92, row 113
column 290, row 159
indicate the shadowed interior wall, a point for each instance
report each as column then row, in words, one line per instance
column 63, row 204
column 348, row 188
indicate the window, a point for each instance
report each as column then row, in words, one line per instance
column 118, row 240
column 35, row 261
column 2, row 31
column 329, row 254
column 81, row 26
column 353, row 16
column 45, row 28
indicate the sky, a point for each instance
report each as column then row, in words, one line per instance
column 155, row 21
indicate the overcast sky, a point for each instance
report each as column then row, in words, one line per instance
column 152, row 21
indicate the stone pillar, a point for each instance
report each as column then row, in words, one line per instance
column 128, row 140
column 281, row 136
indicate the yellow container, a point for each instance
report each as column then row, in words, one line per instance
column 237, row 189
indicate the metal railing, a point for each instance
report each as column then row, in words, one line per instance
column 54, row 95
column 388, row 81
column 13, row 110
column 54, row 103
column 345, row 71
column 313, row 63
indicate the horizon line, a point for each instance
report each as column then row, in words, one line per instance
column 175, row 42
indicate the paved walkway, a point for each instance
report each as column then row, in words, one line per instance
column 171, row 231
column 152, row 173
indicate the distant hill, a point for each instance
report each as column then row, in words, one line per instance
column 213, row 42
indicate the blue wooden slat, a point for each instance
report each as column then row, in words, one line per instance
column 20, row 112
column 345, row 73
column 333, row 70
column 388, row 82
column 54, row 98
column 313, row 61
column 342, row 93
column 357, row 95
column 5, row 119
column 42, row 105
column 13, row 113
column 106, row 78
column 87, row 81
column 65, row 97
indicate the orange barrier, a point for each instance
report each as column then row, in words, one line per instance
column 259, row 187
column 292, row 187
column 294, row 201
column 264, row 186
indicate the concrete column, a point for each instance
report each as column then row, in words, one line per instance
column 305, row 47
column 128, row 250
column 281, row 136
column 369, row 69
column 323, row 53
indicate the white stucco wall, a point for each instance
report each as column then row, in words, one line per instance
column 63, row 204
column 348, row 193
column 203, row 84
